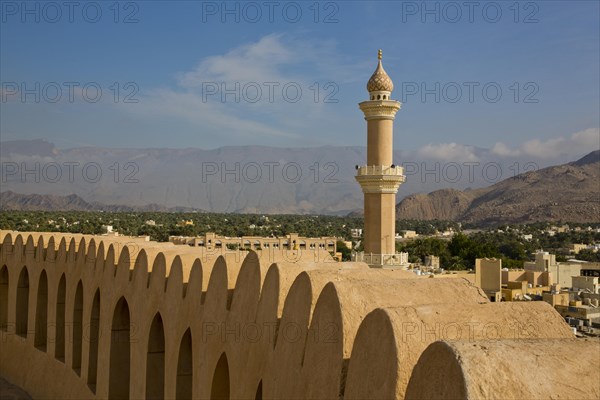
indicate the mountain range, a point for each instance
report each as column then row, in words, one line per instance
column 11, row 201
column 568, row 192
column 36, row 175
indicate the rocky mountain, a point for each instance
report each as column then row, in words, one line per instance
column 46, row 202
column 569, row 192
column 43, row 202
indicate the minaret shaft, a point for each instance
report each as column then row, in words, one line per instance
column 380, row 223
column 380, row 135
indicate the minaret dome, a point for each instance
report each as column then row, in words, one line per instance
column 380, row 86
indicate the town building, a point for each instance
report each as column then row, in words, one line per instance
column 561, row 272
column 409, row 234
column 590, row 269
column 556, row 298
column 509, row 285
column 210, row 240
column 488, row 276
column 587, row 314
column 432, row 261
column 588, row 283
column 356, row 233
column 575, row 248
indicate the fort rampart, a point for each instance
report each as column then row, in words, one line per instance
column 89, row 317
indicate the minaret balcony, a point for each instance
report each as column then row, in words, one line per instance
column 380, row 109
column 380, row 178
column 380, row 170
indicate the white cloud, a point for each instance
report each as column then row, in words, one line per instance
column 281, row 59
column 210, row 116
column 500, row 149
column 576, row 144
column 254, row 62
column 448, row 152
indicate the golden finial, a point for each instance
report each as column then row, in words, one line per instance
column 379, row 54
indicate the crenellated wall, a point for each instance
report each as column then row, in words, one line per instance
column 87, row 317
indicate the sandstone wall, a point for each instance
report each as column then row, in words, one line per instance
column 508, row 369
column 86, row 317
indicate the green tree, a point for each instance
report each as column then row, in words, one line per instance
column 342, row 248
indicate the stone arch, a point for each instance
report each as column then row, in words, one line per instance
column 120, row 360
column 22, row 304
column 3, row 297
column 18, row 248
column 59, row 336
column 185, row 367
column 155, row 362
column 220, row 383
column 77, row 329
column 94, row 338
column 40, row 340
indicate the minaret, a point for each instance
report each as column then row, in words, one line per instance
column 380, row 178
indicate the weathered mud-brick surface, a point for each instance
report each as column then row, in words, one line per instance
column 91, row 317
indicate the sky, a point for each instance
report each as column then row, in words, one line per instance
column 516, row 78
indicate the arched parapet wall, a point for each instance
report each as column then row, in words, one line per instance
column 63, row 248
column 197, row 282
column 30, row 250
column 241, row 322
column 51, row 247
column 390, row 340
column 180, row 273
column 342, row 306
column 40, row 250
column 211, row 329
column 469, row 370
column 262, row 318
column 245, row 297
column 18, row 249
column 72, row 246
column 123, row 269
column 102, row 251
column 91, row 252
column 286, row 360
column 81, row 253
column 36, row 347
column 6, row 247
column 4, row 234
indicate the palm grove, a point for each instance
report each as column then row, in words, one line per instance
column 456, row 253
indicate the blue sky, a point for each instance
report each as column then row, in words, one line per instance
column 298, row 78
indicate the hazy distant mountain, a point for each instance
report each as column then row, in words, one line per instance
column 242, row 179
column 230, row 179
column 38, row 148
column 569, row 192
column 45, row 202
